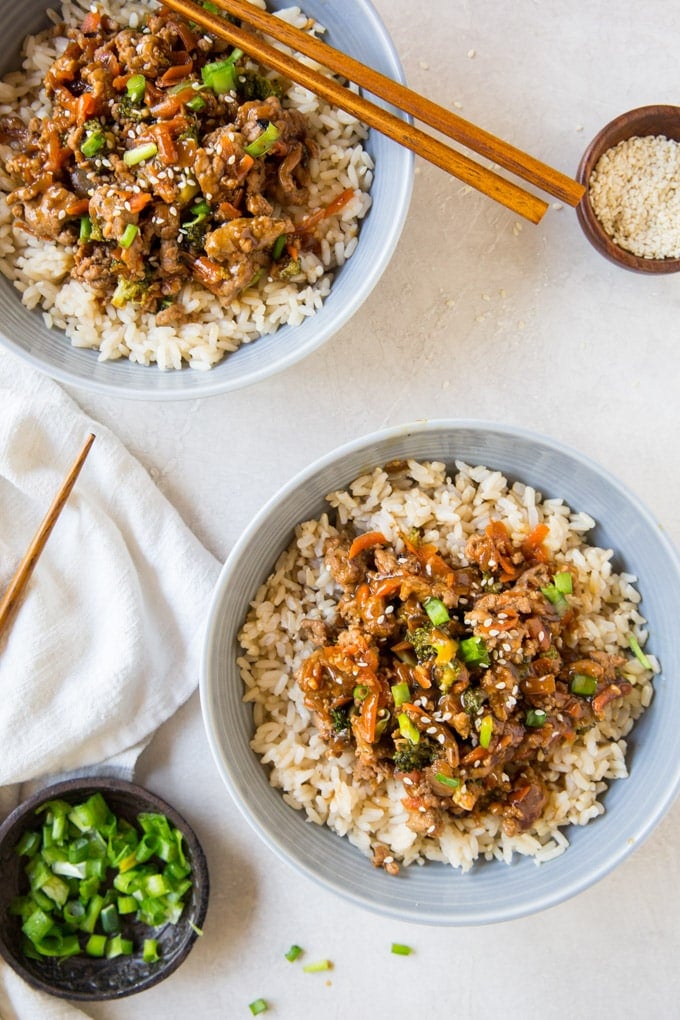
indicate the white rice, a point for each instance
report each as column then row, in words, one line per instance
column 40, row 269
column 447, row 509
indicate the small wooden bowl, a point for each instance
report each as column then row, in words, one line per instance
column 646, row 120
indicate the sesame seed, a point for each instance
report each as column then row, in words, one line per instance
column 431, row 730
column 431, row 830
column 441, row 739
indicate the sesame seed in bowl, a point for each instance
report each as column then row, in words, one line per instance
column 631, row 210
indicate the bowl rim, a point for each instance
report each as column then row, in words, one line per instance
column 619, row 128
column 211, row 382
column 72, row 787
column 407, row 910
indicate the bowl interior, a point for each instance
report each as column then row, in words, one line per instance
column 353, row 26
column 81, row 977
column 646, row 120
column 434, row 893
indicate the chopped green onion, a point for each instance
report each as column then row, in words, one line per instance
column 400, row 693
column 314, row 968
column 140, row 153
column 638, row 653
column 473, row 651
column 279, row 245
column 556, row 598
column 535, row 717
column 408, row 729
column 360, row 692
column 118, row 946
column 437, row 611
column 85, row 229
column 136, row 87
column 93, row 141
column 96, row 945
column 29, row 844
column 196, row 103
column 258, row 1006
column 263, row 142
column 293, row 953
column 583, row 684
column 401, row 950
column 150, row 952
column 452, row 781
column 220, row 76
column 563, row 582
column 128, row 236
column 485, row 730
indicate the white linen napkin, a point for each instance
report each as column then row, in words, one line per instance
column 106, row 642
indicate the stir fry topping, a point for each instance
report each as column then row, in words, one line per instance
column 166, row 156
column 459, row 680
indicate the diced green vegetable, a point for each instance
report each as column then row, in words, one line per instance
column 473, row 651
column 140, row 153
column 360, row 692
column 451, row 781
column 136, row 87
column 196, row 104
column 79, row 900
column 556, row 598
column 400, row 693
column 220, row 75
column 128, row 235
column 637, row 652
column 94, row 139
column 279, row 246
column 315, row 968
column 535, row 717
column 293, row 953
column 263, row 142
column 583, row 684
column 437, row 611
column 150, row 952
column 564, row 582
column 258, row 1006
column 85, row 229
column 485, row 730
column 399, row 949
column 408, row 729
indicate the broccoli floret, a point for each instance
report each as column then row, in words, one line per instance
column 195, row 230
column 473, row 699
column 421, row 639
column 251, row 85
column 340, row 718
column 414, row 757
column 128, row 290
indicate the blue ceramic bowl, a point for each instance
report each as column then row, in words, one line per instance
column 352, row 26
column 436, row 893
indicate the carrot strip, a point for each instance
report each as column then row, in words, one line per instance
column 91, row 23
column 386, row 586
column 331, row 209
column 78, row 208
column 175, row 74
column 532, row 546
column 367, row 540
column 139, row 201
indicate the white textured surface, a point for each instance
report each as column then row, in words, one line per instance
column 476, row 316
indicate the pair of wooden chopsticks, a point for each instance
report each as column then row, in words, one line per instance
column 17, row 585
column 432, row 149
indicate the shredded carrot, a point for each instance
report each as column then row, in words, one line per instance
column 186, row 35
column 227, row 211
column 208, row 271
column 532, row 546
column 78, row 208
column 386, row 586
column 120, row 82
column 91, row 23
column 174, row 74
column 369, row 716
column 247, row 162
column 368, row 540
column 170, row 105
column 86, row 106
column 408, row 706
column 139, row 201
column 55, row 154
column 293, row 250
column 163, row 135
column 338, row 203
column 421, row 675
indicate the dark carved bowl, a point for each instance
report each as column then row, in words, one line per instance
column 82, row 977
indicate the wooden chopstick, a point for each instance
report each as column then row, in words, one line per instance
column 532, row 170
column 17, row 585
column 465, row 169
